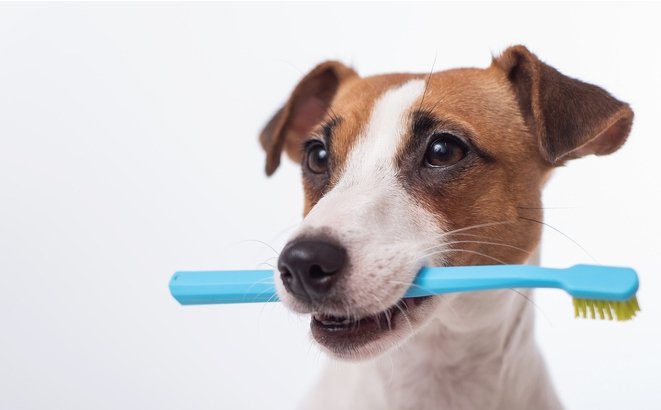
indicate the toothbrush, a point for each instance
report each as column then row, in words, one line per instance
column 605, row 292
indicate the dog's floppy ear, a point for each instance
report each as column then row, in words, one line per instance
column 570, row 118
column 306, row 107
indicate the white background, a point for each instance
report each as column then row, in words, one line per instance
column 128, row 150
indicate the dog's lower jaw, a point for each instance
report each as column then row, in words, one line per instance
column 498, row 367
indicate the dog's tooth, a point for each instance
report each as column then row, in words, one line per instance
column 330, row 320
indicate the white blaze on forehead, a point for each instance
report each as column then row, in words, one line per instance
column 386, row 233
column 368, row 181
column 374, row 153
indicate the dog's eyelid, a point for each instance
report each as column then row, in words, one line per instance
column 481, row 152
column 311, row 140
column 456, row 135
column 314, row 138
column 326, row 128
column 465, row 137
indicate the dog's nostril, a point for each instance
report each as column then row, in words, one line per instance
column 316, row 272
column 292, row 283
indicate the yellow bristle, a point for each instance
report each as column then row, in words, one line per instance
column 591, row 308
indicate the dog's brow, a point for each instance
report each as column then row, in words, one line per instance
column 423, row 122
column 328, row 126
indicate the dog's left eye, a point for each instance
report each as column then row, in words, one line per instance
column 316, row 157
column 445, row 150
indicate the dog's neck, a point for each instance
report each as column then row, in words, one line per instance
column 497, row 366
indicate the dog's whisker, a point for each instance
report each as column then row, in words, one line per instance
column 261, row 311
column 436, row 104
column 477, row 226
column 561, row 233
column 406, row 317
column 424, row 93
column 384, row 310
column 461, row 231
column 457, row 231
column 463, row 250
column 410, row 285
column 449, row 305
column 264, row 262
column 348, row 314
column 474, row 235
column 272, row 266
column 480, row 242
column 257, row 241
column 532, row 302
column 284, row 230
column 547, row 207
column 259, row 282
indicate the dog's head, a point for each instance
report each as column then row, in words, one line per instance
column 403, row 170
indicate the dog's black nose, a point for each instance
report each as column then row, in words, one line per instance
column 310, row 267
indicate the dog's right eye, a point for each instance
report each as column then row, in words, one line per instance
column 444, row 151
column 316, row 157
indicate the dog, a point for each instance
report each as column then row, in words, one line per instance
column 401, row 171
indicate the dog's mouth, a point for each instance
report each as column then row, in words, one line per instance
column 344, row 334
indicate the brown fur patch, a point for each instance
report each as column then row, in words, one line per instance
column 478, row 106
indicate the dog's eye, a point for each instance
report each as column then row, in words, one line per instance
column 444, row 150
column 317, row 157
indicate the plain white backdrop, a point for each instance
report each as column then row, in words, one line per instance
column 128, row 150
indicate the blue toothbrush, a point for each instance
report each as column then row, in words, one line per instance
column 603, row 291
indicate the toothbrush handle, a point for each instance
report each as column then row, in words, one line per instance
column 448, row 279
column 215, row 287
column 580, row 281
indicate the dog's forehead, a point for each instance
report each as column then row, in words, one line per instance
column 477, row 99
column 480, row 99
column 355, row 104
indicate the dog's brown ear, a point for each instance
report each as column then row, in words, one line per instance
column 570, row 118
column 306, row 107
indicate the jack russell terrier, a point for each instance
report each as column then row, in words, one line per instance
column 406, row 170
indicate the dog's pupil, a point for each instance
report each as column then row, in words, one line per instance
column 441, row 153
column 322, row 155
column 441, row 149
column 318, row 159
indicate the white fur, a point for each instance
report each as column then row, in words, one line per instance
column 384, row 231
column 374, row 154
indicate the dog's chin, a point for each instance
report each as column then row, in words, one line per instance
column 372, row 335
